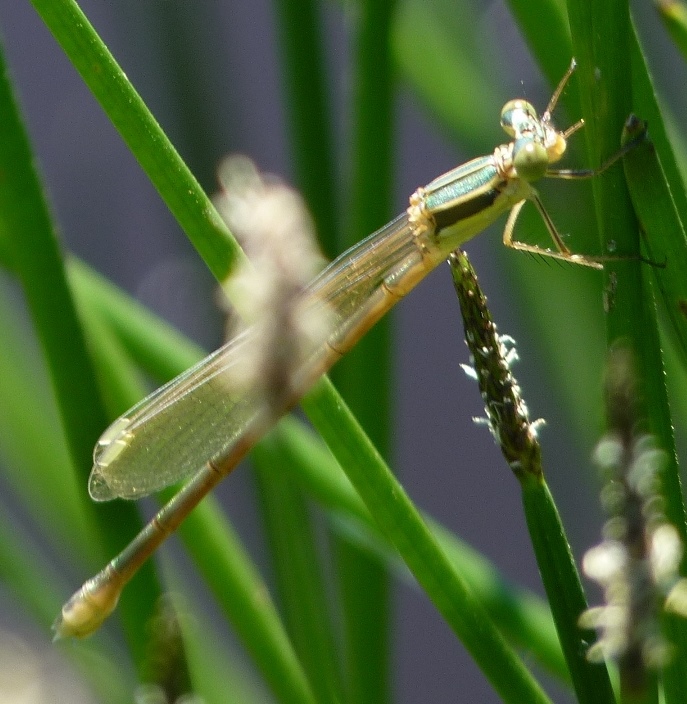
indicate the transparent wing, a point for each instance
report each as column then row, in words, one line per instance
column 194, row 418
column 175, row 430
column 349, row 281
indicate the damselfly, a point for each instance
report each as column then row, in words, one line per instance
column 194, row 427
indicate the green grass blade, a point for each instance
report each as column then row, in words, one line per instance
column 29, row 235
column 218, row 676
column 242, row 594
column 286, row 520
column 120, row 380
column 299, row 579
column 674, row 16
column 516, row 436
column 664, row 240
column 363, row 377
column 564, row 589
column 34, row 461
column 604, row 69
column 400, row 521
column 34, row 455
column 185, row 39
column 373, row 119
column 655, row 209
column 426, row 49
column 305, row 87
column 522, row 617
column 139, row 129
column 157, row 347
column 646, row 106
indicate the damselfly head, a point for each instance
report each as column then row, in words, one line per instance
column 519, row 118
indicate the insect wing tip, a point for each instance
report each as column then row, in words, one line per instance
column 98, row 487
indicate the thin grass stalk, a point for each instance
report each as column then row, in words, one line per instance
column 631, row 317
column 30, row 236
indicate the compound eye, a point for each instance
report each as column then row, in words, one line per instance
column 517, row 117
column 530, row 159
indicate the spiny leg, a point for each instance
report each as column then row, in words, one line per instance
column 579, row 174
column 563, row 253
